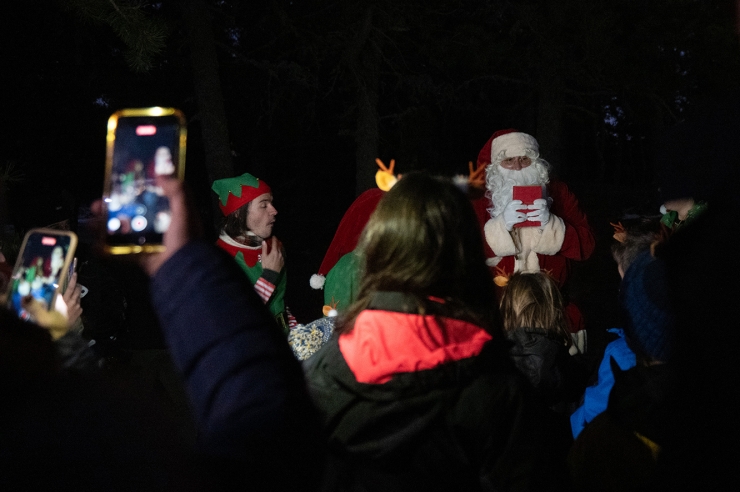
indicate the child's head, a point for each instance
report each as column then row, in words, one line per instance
column 636, row 239
column 533, row 300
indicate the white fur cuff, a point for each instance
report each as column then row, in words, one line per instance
column 498, row 238
column 553, row 235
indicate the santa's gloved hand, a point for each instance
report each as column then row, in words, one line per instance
column 540, row 212
column 512, row 215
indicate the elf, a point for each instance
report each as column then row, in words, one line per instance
column 246, row 234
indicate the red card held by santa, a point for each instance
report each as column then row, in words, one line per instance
column 527, row 194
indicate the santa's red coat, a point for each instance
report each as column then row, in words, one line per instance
column 578, row 243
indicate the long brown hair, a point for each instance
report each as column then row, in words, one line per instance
column 235, row 225
column 533, row 300
column 424, row 240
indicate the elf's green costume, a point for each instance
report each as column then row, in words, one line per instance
column 233, row 194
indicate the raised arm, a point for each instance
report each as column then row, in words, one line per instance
column 246, row 388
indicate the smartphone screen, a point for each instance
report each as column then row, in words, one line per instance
column 142, row 145
column 42, row 266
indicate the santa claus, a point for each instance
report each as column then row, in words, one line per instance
column 561, row 232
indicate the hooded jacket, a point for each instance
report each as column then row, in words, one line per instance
column 417, row 401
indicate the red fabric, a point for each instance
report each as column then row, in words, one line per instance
column 249, row 193
column 527, row 194
column 384, row 343
column 251, row 255
column 484, row 156
column 292, row 322
column 350, row 228
column 574, row 318
column 264, row 289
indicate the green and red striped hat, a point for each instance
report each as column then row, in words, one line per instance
column 233, row 193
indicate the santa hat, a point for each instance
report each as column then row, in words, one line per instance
column 233, row 193
column 348, row 233
column 508, row 143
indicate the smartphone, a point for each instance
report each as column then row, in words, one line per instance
column 42, row 267
column 142, row 144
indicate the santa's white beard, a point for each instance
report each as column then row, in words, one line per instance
column 501, row 183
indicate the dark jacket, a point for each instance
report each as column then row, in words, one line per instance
column 629, row 435
column 248, row 394
column 544, row 359
column 424, row 402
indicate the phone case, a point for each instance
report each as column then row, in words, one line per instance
column 527, row 194
column 142, row 144
column 42, row 268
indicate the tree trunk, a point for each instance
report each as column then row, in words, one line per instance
column 4, row 214
column 364, row 64
column 207, row 84
column 550, row 116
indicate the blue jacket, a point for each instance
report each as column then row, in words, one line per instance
column 247, row 390
column 596, row 397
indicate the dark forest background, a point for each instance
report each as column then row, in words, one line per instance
column 306, row 94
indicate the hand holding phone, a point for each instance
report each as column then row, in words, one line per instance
column 528, row 195
column 184, row 227
column 42, row 267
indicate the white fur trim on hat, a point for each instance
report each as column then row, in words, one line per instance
column 317, row 281
column 513, row 145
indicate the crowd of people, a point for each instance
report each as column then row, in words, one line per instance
column 450, row 356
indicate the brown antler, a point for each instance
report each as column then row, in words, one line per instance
column 501, row 278
column 386, row 169
column 384, row 178
column 620, row 234
column 476, row 177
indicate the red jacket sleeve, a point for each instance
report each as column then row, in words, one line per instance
column 579, row 239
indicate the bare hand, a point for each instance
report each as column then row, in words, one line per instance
column 274, row 259
column 54, row 320
column 180, row 231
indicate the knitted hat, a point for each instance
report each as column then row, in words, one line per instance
column 348, row 233
column 233, row 193
column 644, row 297
column 508, row 143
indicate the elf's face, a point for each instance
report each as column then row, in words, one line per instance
column 261, row 216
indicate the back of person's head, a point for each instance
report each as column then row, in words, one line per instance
column 26, row 352
column 644, row 298
column 636, row 239
column 424, row 240
column 533, row 300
